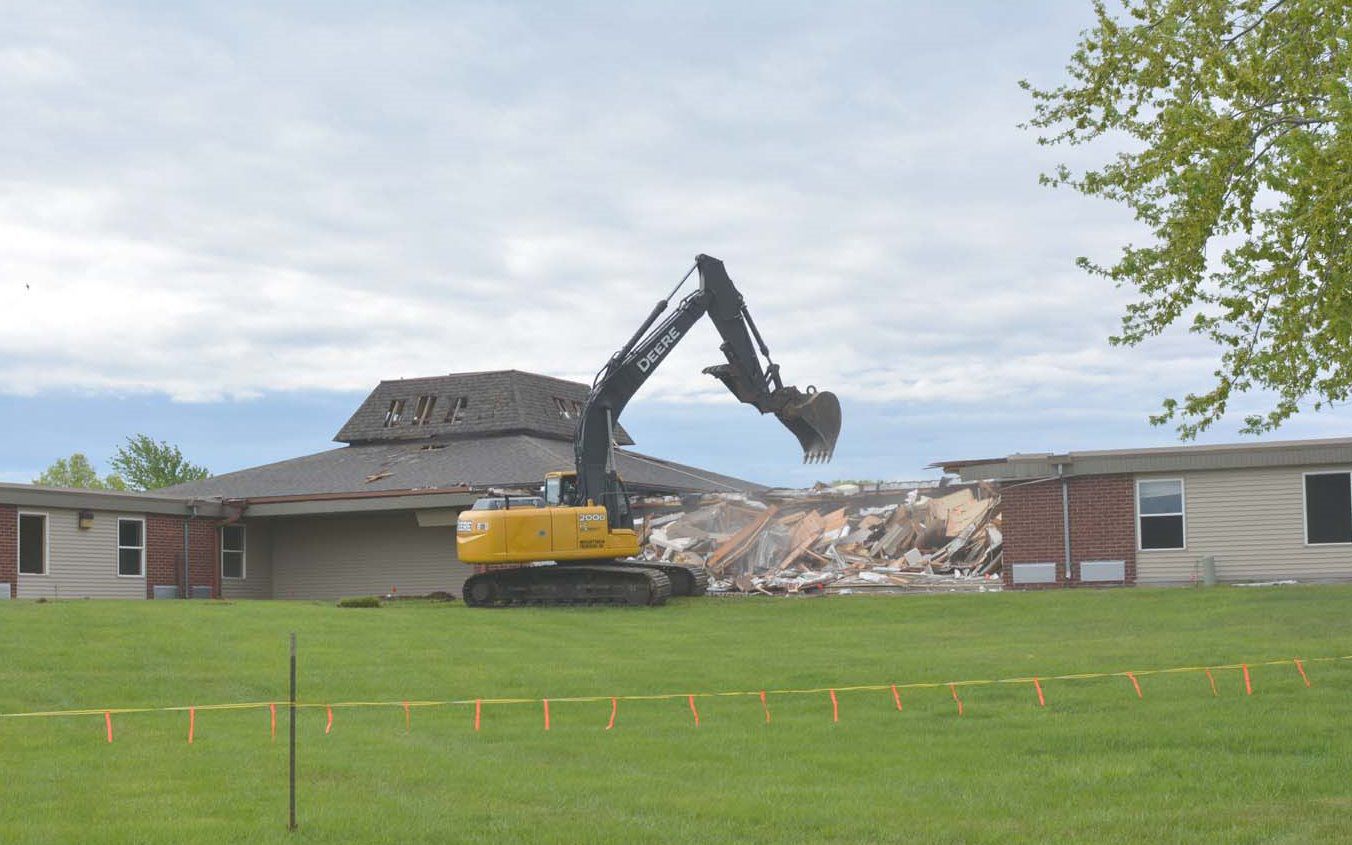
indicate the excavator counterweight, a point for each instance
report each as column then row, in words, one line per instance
column 584, row 524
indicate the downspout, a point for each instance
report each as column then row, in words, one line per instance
column 1065, row 515
column 192, row 511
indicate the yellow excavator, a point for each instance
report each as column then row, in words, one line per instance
column 580, row 537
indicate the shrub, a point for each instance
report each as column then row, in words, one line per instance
column 360, row 601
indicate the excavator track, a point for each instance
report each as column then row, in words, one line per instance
column 568, row 584
column 685, row 580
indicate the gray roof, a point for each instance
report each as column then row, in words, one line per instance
column 516, row 460
column 1336, row 450
column 496, row 402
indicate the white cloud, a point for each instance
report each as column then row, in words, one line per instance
column 225, row 201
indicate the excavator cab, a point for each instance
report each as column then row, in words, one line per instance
column 561, row 491
column 560, row 488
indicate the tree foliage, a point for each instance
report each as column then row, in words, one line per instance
column 150, row 465
column 1235, row 117
column 76, row 471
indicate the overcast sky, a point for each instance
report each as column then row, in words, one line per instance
column 222, row 224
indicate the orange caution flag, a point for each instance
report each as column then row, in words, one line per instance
column 954, row 689
column 546, row 701
column 765, row 707
column 614, row 708
column 272, row 708
column 192, row 723
column 478, row 711
column 328, row 726
column 693, row 709
column 1301, row 669
column 108, row 723
column 1212, row 681
column 1041, row 700
column 1135, row 684
column 1248, row 683
column 835, row 707
column 896, row 697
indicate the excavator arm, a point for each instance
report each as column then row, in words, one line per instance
column 813, row 416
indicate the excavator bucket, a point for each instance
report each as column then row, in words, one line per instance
column 814, row 418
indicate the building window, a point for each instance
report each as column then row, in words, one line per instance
column 232, row 551
column 1159, row 508
column 131, row 547
column 457, row 412
column 568, row 408
column 394, row 413
column 32, row 544
column 1328, row 507
column 422, row 412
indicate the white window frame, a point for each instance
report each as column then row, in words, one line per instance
column 243, row 552
column 117, row 558
column 46, row 544
column 1304, row 506
column 1183, row 499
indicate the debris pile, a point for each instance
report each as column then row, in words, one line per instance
column 934, row 539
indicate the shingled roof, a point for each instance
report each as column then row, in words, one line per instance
column 463, row 405
column 519, row 461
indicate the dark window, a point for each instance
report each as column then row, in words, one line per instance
column 1160, row 510
column 1328, row 507
column 394, row 412
column 457, row 412
column 422, row 414
column 32, row 544
column 131, row 547
column 232, row 551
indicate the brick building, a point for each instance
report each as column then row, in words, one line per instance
column 1249, row 512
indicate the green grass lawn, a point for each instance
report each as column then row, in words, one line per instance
column 1096, row 765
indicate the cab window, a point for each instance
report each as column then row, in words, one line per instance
column 553, row 489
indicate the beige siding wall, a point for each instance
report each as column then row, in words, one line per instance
column 81, row 563
column 257, row 580
column 1253, row 522
column 350, row 555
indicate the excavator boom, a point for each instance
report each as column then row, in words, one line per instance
column 812, row 416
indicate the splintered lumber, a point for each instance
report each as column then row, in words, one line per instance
column 962, row 515
column 806, row 533
column 740, row 542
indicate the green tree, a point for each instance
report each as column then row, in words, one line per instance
column 76, row 471
column 149, row 465
column 1235, row 121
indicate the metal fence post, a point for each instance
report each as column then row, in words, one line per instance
column 292, row 825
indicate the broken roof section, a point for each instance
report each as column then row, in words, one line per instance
column 463, row 405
